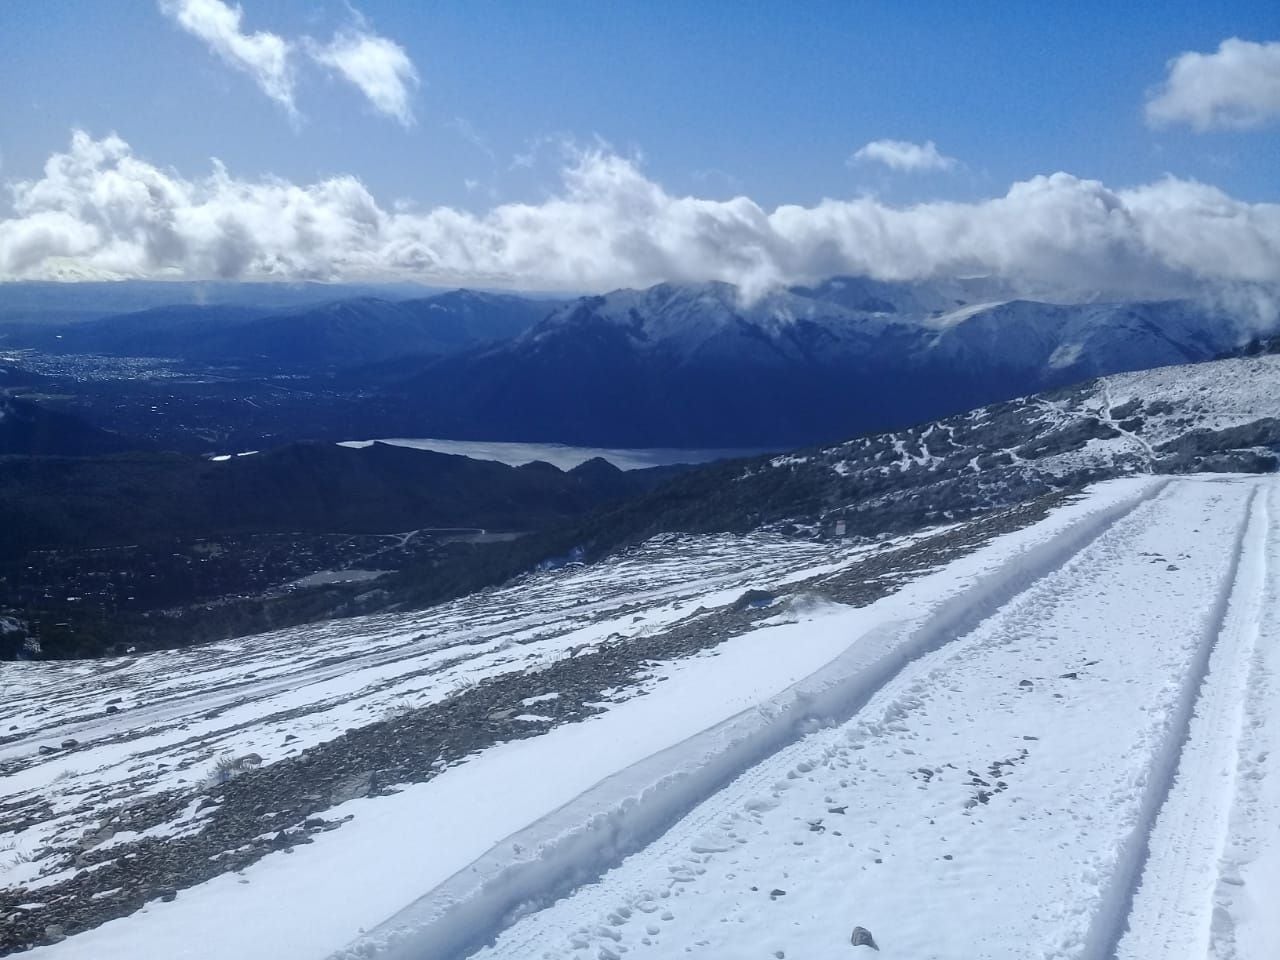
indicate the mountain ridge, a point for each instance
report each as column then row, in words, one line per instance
column 696, row 366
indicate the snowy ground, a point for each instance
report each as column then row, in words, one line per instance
column 1056, row 746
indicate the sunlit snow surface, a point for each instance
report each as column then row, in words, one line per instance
column 1071, row 758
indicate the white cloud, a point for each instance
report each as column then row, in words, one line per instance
column 99, row 210
column 1236, row 88
column 378, row 67
column 264, row 56
column 904, row 155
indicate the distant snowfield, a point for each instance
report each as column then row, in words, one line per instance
column 1057, row 746
column 560, row 455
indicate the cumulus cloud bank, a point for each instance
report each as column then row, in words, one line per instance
column 100, row 210
column 904, row 155
column 264, row 56
column 1235, row 88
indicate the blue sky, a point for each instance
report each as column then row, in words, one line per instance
column 712, row 100
column 762, row 98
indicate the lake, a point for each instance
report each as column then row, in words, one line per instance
column 561, row 455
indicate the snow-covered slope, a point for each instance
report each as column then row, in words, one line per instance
column 1222, row 415
column 714, row 322
column 1049, row 727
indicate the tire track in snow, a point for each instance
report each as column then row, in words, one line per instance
column 1159, row 894
column 1243, row 925
column 632, row 910
column 642, row 803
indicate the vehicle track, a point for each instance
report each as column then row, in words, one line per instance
column 1166, row 887
column 457, row 918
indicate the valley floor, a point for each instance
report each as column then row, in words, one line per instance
column 1055, row 744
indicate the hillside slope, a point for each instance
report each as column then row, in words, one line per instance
column 732, row 745
column 1221, row 415
column 60, row 502
column 30, row 430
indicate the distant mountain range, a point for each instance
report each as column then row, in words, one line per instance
column 670, row 366
column 52, row 301
column 340, row 333
column 697, row 366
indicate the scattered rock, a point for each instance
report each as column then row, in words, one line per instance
column 70, row 744
column 45, row 750
column 861, row 937
column 1025, row 683
column 113, row 709
column 775, row 893
column 754, row 599
column 1073, row 675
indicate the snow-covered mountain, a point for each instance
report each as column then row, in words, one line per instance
column 697, row 364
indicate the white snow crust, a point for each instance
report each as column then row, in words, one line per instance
column 1058, row 746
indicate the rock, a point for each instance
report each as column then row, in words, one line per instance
column 70, row 744
column 861, row 937
column 1070, row 676
column 351, row 788
column 113, row 709
column 45, row 750
column 93, row 838
column 53, row 933
column 775, row 893
column 168, row 894
column 1024, row 683
column 115, row 700
column 753, row 599
column 502, row 714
